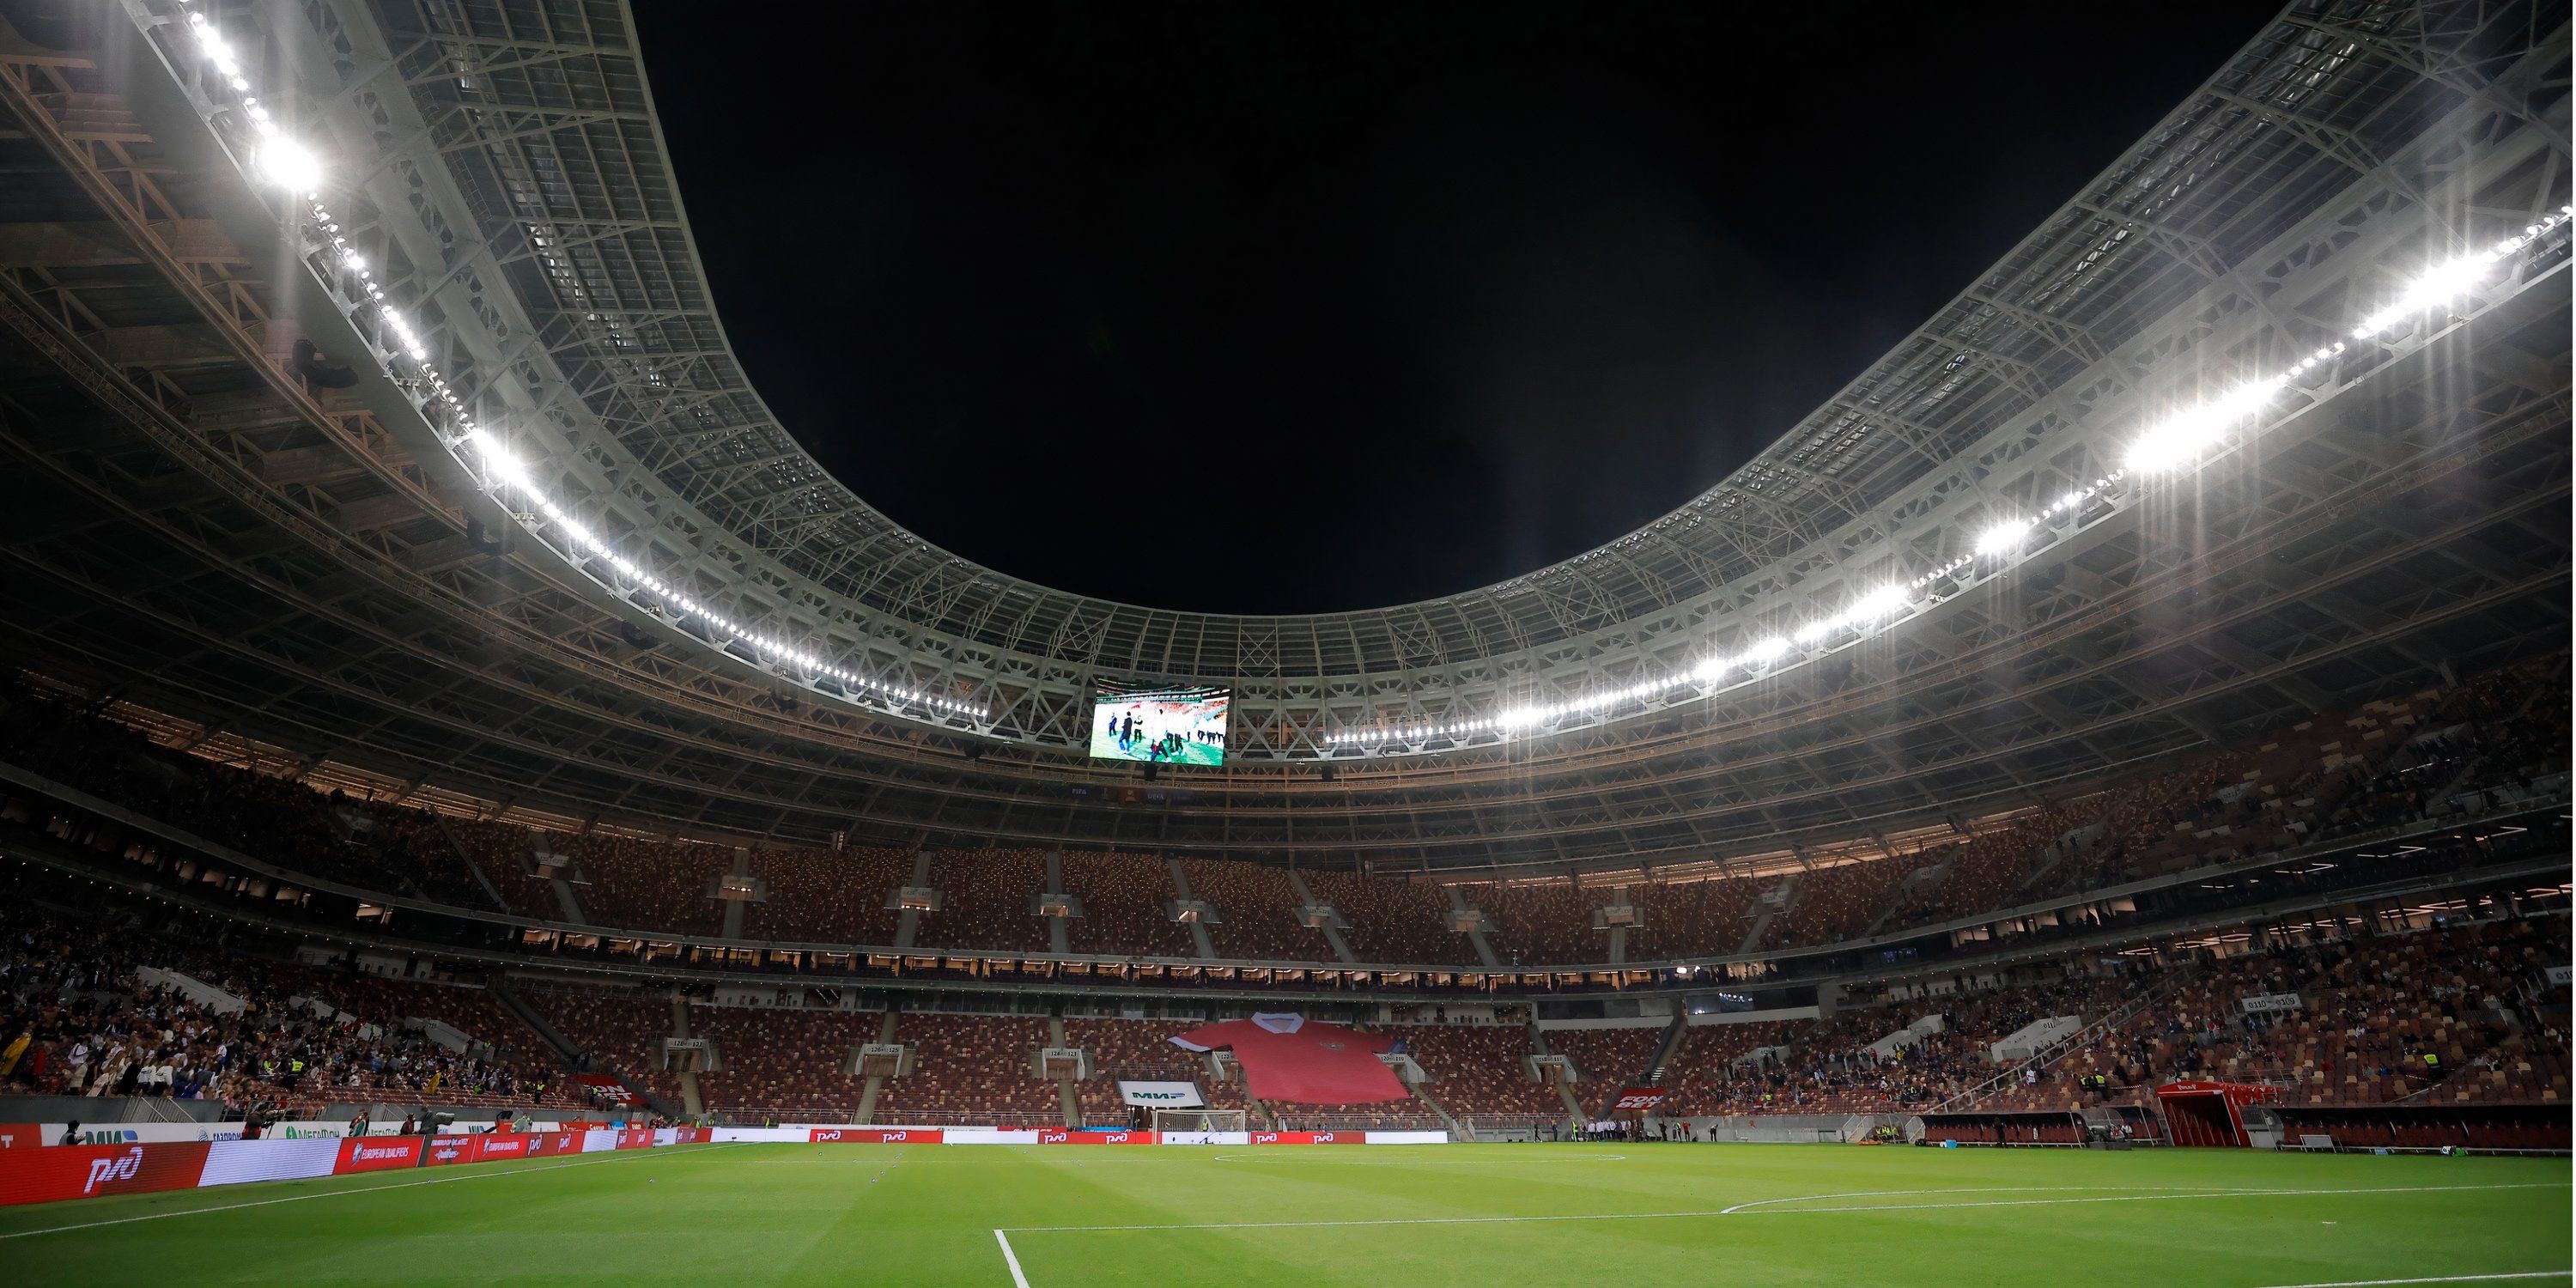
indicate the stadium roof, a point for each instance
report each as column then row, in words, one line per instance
column 337, row 571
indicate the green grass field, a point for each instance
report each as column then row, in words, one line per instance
column 1631, row 1216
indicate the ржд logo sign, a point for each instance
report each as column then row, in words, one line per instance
column 123, row 1167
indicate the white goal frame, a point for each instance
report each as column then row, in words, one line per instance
column 1195, row 1120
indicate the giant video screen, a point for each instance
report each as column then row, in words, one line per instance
column 1160, row 726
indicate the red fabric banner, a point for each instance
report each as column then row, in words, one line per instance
column 1637, row 1100
column 1293, row 1060
column 22, row 1135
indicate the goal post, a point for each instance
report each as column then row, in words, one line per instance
column 1198, row 1120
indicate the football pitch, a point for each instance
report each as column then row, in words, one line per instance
column 1072, row 1217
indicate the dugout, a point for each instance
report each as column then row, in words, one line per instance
column 2063, row 1128
column 2485, row 1129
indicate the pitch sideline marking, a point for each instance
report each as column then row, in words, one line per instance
column 1738, row 1209
column 1011, row 1259
column 366, row 1189
column 2438, row 1279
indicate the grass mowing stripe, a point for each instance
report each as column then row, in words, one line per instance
column 666, row 1151
column 1744, row 1209
column 794, row 1215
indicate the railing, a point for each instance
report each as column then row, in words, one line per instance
column 1361, row 1122
column 942, row 1118
column 751, row 1115
column 1482, row 1123
column 2053, row 1052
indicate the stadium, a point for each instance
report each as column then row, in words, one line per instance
column 2089, row 801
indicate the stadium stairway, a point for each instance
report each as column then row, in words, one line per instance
column 1457, row 1130
column 733, row 908
column 1653, row 1074
column 1066, row 1094
column 465, row 854
column 2008, row 1077
column 1332, row 935
column 1475, row 937
column 1059, row 934
column 907, row 928
column 1199, row 941
column 574, row 1057
column 690, row 1099
column 875, row 1083
column 1779, row 899
column 1922, row 880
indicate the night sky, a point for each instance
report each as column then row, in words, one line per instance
column 1270, row 308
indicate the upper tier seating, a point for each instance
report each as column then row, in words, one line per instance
column 636, row 884
column 501, row 852
column 2481, row 745
column 824, row 897
column 1539, row 925
column 1122, row 906
column 1391, row 919
column 1256, row 910
column 985, row 900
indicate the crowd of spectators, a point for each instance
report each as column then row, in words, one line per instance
column 1122, row 906
column 787, row 1064
column 2493, row 739
column 981, row 1067
column 2377, row 1020
column 1543, row 924
column 1480, row 1069
column 984, row 900
column 1392, row 919
column 502, row 853
column 620, row 1029
column 1606, row 1061
column 826, row 896
column 638, row 884
column 80, row 1020
column 1256, row 912
column 273, row 818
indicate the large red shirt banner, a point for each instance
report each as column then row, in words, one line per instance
column 1293, row 1060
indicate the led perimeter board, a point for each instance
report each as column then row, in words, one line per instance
column 1160, row 726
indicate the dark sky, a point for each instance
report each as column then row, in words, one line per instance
column 1292, row 308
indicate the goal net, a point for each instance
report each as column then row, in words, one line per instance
column 1198, row 1120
